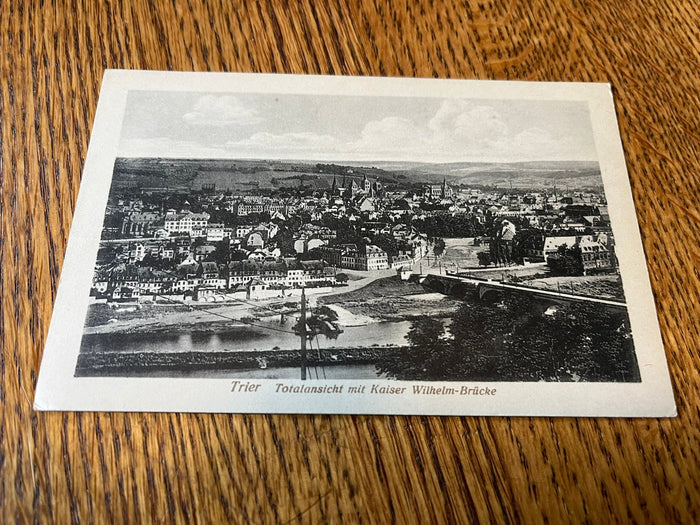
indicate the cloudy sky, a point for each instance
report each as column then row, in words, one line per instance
column 353, row 128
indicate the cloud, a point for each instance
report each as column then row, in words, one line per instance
column 456, row 130
column 536, row 143
column 389, row 135
column 221, row 110
column 465, row 122
column 168, row 147
column 475, row 130
column 392, row 137
column 271, row 143
column 459, row 130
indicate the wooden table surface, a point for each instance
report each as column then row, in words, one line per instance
column 130, row 468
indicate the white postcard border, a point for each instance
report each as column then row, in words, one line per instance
column 58, row 389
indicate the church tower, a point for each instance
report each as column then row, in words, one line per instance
column 445, row 190
column 366, row 185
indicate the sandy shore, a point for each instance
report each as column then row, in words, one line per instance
column 190, row 317
column 347, row 318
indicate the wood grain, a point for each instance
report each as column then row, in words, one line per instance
column 134, row 468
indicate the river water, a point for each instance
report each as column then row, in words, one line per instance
column 274, row 336
column 266, row 335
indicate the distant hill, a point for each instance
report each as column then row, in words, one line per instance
column 186, row 174
column 537, row 174
column 531, row 174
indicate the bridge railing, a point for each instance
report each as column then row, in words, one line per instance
column 535, row 288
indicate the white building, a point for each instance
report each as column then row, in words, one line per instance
column 186, row 222
column 552, row 244
column 373, row 258
column 215, row 232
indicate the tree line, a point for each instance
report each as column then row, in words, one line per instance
column 449, row 226
column 514, row 340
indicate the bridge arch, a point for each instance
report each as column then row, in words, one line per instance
column 490, row 295
column 436, row 285
column 460, row 290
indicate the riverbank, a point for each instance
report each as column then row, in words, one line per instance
column 347, row 319
column 391, row 299
column 377, row 297
column 182, row 317
column 174, row 364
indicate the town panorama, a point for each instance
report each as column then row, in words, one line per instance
column 497, row 272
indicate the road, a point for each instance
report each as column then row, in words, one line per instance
column 537, row 291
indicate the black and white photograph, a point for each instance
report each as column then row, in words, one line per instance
column 398, row 242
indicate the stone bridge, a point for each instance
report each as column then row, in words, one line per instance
column 492, row 291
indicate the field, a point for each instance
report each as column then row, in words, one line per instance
column 461, row 253
column 601, row 286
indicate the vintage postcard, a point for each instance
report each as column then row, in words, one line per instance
column 305, row 244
